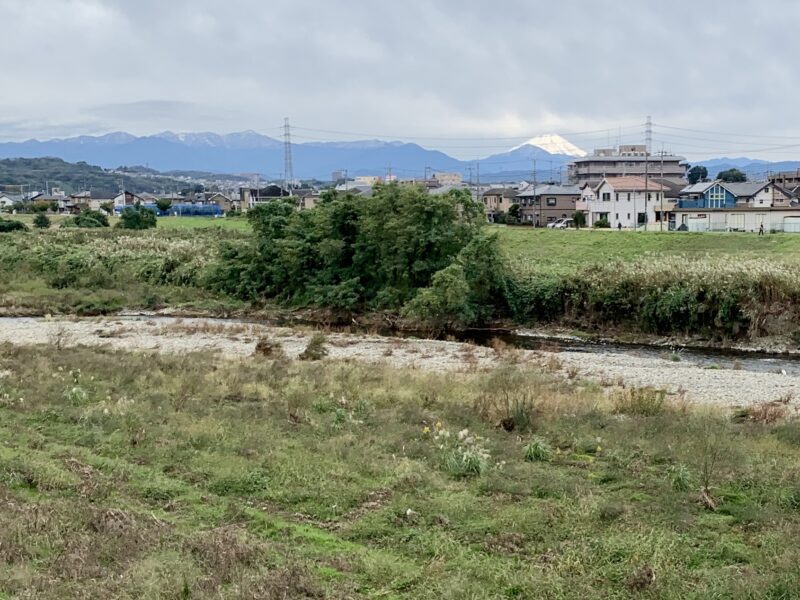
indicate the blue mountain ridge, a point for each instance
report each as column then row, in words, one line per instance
column 251, row 152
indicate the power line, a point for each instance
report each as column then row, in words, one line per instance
column 456, row 138
column 749, row 135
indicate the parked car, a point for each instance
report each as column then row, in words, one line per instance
column 556, row 223
column 564, row 224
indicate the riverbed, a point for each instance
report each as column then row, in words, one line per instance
column 701, row 378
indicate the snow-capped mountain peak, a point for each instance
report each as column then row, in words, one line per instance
column 554, row 144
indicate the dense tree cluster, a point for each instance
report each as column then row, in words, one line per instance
column 353, row 253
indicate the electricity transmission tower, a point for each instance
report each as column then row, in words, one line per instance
column 288, row 171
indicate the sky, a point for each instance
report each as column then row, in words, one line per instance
column 468, row 77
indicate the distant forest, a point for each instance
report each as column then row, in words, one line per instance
column 40, row 173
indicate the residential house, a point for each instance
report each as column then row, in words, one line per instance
column 81, row 197
column 443, row 190
column 448, row 178
column 148, row 198
column 788, row 180
column 249, row 197
column 6, row 201
column 352, row 188
column 125, row 199
column 746, row 206
column 307, row 198
column 625, row 161
column 626, row 201
column 546, row 203
column 369, row 180
column 221, row 200
column 497, row 201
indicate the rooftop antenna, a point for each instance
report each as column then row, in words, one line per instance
column 288, row 171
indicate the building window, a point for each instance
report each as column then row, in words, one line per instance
column 551, row 202
column 616, row 217
column 629, row 216
column 606, row 196
column 716, row 197
column 617, row 196
column 629, row 196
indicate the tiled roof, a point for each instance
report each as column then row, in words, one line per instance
column 633, row 184
column 551, row 190
column 505, row 192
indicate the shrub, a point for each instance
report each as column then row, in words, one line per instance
column 538, row 449
column 137, row 217
column 316, row 349
column 40, row 221
column 680, row 478
column 642, row 402
column 89, row 219
column 8, row 225
column 268, row 348
column 602, row 224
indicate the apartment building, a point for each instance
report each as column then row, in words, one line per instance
column 625, row 161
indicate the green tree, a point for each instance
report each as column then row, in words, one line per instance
column 137, row 217
column 445, row 302
column 164, row 204
column 514, row 215
column 696, row 174
column 350, row 252
column 41, row 221
column 107, row 207
column 579, row 218
column 732, row 176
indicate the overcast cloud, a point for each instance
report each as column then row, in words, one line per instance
column 413, row 69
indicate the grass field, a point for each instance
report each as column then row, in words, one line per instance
column 235, row 223
column 141, row 476
column 565, row 250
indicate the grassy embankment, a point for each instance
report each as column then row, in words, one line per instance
column 718, row 285
column 237, row 223
column 138, row 476
column 94, row 271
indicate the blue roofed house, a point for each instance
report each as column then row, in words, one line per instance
column 746, row 206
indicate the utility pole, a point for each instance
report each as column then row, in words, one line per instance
column 288, row 171
column 661, row 181
column 478, row 190
column 648, row 139
column 538, row 206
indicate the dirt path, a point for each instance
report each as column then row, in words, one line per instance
column 229, row 338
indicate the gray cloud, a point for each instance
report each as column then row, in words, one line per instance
column 417, row 69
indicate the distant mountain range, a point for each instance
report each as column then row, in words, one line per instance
column 251, row 152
